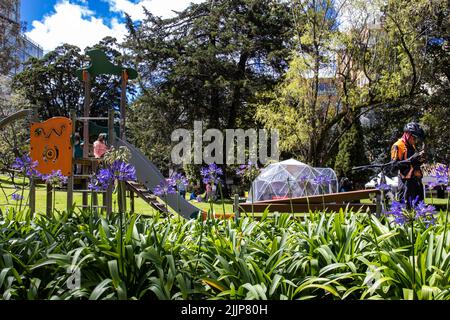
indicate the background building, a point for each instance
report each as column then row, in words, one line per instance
column 13, row 43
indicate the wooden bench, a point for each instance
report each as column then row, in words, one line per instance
column 328, row 202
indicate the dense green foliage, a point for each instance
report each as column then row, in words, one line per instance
column 327, row 256
column 206, row 64
column 51, row 83
column 351, row 154
column 340, row 72
column 13, row 136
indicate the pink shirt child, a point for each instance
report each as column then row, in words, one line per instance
column 99, row 148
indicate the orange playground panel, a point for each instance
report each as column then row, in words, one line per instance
column 51, row 145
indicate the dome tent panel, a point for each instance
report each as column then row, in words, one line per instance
column 292, row 170
column 305, row 172
column 279, row 189
column 295, row 189
column 267, row 173
column 291, row 189
column 310, row 190
column 263, row 191
column 281, row 176
column 288, row 178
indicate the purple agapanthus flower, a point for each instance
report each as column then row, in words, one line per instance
column 383, row 186
column 430, row 185
column 93, row 185
column 101, row 181
column 164, row 188
column 425, row 212
column 303, row 179
column 55, row 178
column 397, row 210
column 105, row 177
column 419, row 211
column 241, row 170
column 16, row 197
column 179, row 179
column 119, row 170
column 123, row 171
column 322, row 180
column 245, row 168
column 211, row 174
column 441, row 175
column 26, row 165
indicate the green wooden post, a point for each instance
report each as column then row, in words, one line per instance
column 86, row 112
column 378, row 204
column 32, row 197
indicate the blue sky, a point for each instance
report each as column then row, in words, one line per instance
column 85, row 22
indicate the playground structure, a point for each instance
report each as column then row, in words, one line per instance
column 51, row 145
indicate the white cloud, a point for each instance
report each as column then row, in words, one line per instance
column 73, row 24
column 162, row 8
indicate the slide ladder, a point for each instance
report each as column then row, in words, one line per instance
column 149, row 176
column 142, row 192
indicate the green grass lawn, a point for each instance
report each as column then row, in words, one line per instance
column 140, row 206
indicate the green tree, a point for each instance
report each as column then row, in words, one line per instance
column 435, row 100
column 337, row 71
column 51, row 82
column 430, row 105
column 207, row 63
column 13, row 137
column 352, row 153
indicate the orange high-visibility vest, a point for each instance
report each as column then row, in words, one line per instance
column 399, row 151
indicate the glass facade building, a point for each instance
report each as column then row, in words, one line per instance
column 25, row 47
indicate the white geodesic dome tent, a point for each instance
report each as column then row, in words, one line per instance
column 290, row 178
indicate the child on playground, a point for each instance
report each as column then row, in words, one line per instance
column 100, row 146
column 209, row 191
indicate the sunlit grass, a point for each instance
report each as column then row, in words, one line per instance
column 140, row 206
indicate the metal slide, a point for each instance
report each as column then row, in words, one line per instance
column 149, row 175
column 14, row 117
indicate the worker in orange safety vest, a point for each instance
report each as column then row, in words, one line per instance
column 410, row 175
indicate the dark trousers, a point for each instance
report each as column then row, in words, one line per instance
column 409, row 189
